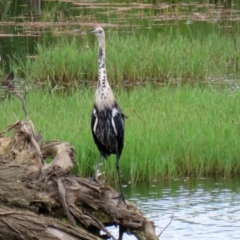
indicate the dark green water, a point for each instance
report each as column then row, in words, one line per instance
column 26, row 23
column 202, row 209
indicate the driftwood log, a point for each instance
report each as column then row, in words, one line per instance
column 43, row 201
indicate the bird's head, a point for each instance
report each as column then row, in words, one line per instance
column 99, row 32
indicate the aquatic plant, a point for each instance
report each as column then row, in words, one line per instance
column 170, row 132
column 133, row 59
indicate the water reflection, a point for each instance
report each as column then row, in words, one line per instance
column 23, row 23
column 202, row 209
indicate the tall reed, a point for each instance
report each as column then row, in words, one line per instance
column 170, row 132
column 132, row 58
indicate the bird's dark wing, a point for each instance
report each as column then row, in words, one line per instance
column 118, row 126
column 94, row 120
column 100, row 125
column 118, row 121
column 108, row 130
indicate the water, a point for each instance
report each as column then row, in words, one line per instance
column 202, row 209
column 24, row 23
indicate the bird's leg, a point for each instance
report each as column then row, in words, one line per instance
column 95, row 175
column 121, row 196
column 121, row 232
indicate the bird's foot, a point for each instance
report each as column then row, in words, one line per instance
column 121, row 199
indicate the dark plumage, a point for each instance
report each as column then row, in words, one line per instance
column 108, row 140
column 107, row 122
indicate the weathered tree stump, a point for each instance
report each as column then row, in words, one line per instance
column 35, row 196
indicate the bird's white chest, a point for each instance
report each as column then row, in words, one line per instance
column 104, row 98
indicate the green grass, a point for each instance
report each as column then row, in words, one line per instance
column 132, row 58
column 170, row 132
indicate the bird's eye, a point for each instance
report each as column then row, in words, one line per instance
column 100, row 31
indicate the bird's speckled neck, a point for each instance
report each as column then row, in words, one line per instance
column 104, row 95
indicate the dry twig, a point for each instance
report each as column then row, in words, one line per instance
column 166, row 226
column 23, row 104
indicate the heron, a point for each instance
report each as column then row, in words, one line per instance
column 107, row 121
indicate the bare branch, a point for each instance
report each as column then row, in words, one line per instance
column 23, row 104
column 166, row 226
column 62, row 195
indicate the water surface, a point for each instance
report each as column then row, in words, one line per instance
column 24, row 23
column 202, row 209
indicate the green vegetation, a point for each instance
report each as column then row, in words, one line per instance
column 132, row 58
column 170, row 132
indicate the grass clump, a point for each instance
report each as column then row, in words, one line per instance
column 170, row 132
column 132, row 58
column 60, row 63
